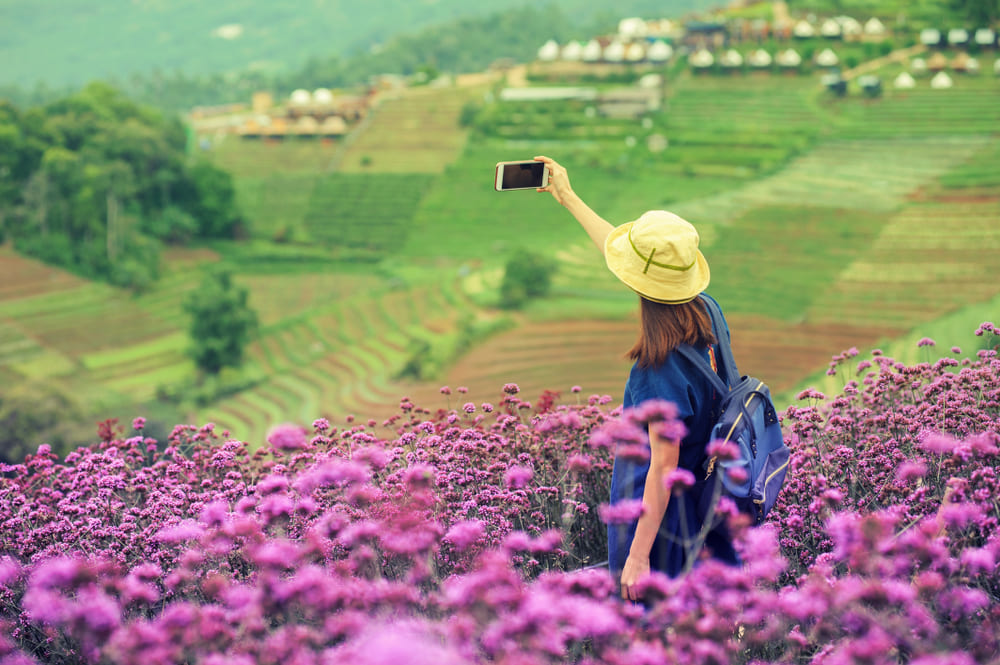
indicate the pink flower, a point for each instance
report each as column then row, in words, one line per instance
column 579, row 463
column 625, row 511
column 464, row 534
column 138, row 423
column 724, row 451
column 321, row 424
column 925, row 341
column 517, row 477
column 679, row 480
column 511, row 389
column 287, row 437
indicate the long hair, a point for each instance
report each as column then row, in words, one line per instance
column 663, row 327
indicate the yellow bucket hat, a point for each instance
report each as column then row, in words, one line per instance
column 657, row 256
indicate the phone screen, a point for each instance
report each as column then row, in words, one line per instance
column 523, row 175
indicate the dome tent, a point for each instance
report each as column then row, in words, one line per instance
column 549, row 51
column 659, row 51
column 827, row 58
column 904, row 81
column 701, row 59
column 572, row 51
column 941, row 81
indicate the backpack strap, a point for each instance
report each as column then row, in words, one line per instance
column 732, row 375
column 696, row 359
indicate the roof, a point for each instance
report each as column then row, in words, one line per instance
column 538, row 94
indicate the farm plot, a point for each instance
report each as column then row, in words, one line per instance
column 760, row 109
column 371, row 212
column 275, row 204
column 21, row 277
column 416, row 132
column 873, row 175
column 968, row 108
column 337, row 360
column 930, row 259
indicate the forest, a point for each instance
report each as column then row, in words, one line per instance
column 97, row 184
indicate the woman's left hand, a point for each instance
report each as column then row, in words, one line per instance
column 636, row 568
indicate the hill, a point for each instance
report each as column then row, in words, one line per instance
column 70, row 42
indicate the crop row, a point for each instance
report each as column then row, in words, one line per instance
column 334, row 362
column 872, row 174
column 418, row 132
column 371, row 212
column 929, row 258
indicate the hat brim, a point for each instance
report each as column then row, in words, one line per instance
column 668, row 287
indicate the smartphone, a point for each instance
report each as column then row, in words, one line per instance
column 511, row 176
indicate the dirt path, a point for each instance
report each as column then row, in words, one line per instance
column 895, row 56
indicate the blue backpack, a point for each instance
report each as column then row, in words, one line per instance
column 747, row 417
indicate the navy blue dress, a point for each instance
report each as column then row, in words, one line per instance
column 678, row 382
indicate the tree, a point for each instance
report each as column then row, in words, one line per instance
column 981, row 13
column 222, row 323
column 214, row 204
column 526, row 275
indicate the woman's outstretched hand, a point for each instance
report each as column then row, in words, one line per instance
column 558, row 185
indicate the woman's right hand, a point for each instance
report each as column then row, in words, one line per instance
column 558, row 185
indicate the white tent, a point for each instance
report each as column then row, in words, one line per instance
column 701, row 59
column 322, row 96
column 996, row 66
column 300, row 97
column 788, row 58
column 930, row 36
column 804, row 29
column 985, row 37
column 731, row 58
column 904, row 81
column 830, row 28
column 659, row 51
column 941, row 81
column 635, row 52
column 632, row 28
column 827, row 58
column 549, row 51
column 918, row 65
column 572, row 52
column 651, row 81
column 850, row 26
column 972, row 65
column 760, row 58
column 958, row 36
column 615, row 52
column 592, row 52
column 873, row 26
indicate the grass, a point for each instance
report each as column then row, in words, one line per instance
column 775, row 260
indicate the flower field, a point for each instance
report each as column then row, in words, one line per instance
column 475, row 535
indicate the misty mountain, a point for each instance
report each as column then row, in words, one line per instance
column 69, row 42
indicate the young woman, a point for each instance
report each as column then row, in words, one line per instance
column 657, row 256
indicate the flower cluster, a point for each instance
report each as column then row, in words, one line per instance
column 475, row 535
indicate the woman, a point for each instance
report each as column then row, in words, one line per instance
column 658, row 257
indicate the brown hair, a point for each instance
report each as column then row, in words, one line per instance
column 662, row 327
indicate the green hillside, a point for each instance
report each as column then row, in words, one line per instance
column 830, row 222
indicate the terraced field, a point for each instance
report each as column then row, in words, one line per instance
column 872, row 174
column 340, row 359
column 417, row 132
